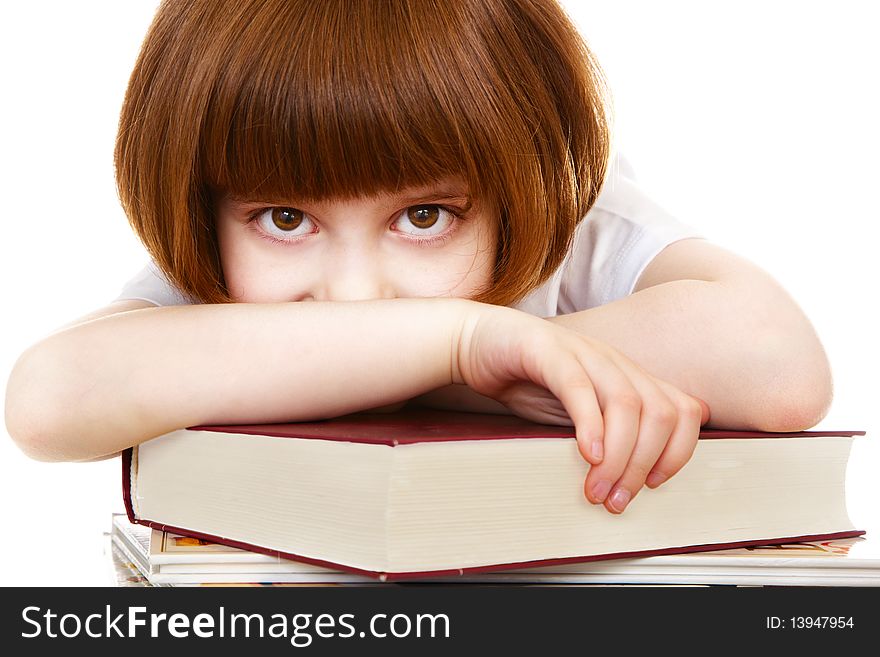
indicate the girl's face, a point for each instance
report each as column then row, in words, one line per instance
column 422, row 242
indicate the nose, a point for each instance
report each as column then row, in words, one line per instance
column 359, row 278
column 360, row 289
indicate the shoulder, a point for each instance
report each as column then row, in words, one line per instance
column 612, row 245
column 624, row 206
column 150, row 285
column 620, row 236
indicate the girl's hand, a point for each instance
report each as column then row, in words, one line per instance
column 633, row 428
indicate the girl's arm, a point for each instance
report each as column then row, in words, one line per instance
column 99, row 386
column 720, row 329
column 106, row 383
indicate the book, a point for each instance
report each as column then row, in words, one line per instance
column 422, row 493
column 123, row 570
column 162, row 558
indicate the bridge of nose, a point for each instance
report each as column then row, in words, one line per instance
column 355, row 274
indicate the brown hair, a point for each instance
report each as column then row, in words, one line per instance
column 275, row 99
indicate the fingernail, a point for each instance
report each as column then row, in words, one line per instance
column 655, row 479
column 600, row 490
column 619, row 499
column 597, row 450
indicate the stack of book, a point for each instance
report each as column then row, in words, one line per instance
column 459, row 497
column 150, row 557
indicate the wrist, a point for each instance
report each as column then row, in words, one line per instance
column 467, row 318
column 476, row 320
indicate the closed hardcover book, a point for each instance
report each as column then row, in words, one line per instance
column 424, row 494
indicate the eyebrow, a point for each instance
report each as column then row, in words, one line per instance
column 444, row 189
column 439, row 196
column 443, row 193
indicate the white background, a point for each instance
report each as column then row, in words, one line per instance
column 755, row 121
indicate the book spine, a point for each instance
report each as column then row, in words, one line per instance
column 128, row 458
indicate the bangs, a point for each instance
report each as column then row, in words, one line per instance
column 326, row 100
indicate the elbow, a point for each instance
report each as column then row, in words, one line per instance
column 798, row 395
column 27, row 415
column 794, row 411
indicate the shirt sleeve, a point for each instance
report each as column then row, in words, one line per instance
column 621, row 234
column 150, row 285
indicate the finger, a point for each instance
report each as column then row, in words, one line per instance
column 529, row 398
column 621, row 408
column 683, row 441
column 621, row 413
column 705, row 411
column 655, row 424
column 536, row 403
column 566, row 378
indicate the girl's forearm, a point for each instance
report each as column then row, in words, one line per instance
column 102, row 386
column 745, row 348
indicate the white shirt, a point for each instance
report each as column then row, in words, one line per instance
column 620, row 235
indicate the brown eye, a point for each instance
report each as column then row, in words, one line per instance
column 286, row 218
column 423, row 216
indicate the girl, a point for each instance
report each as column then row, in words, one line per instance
column 357, row 205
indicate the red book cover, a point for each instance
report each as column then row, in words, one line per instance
column 422, row 425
